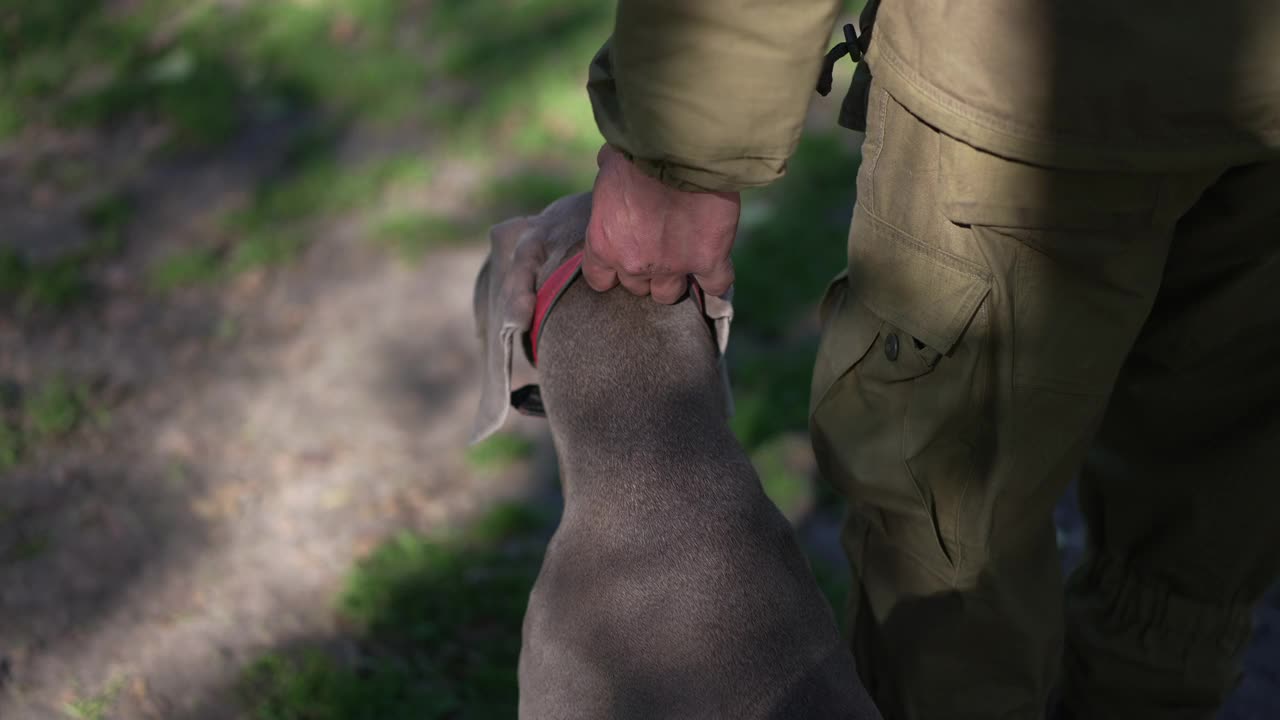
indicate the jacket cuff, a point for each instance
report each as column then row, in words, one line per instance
column 690, row 172
column 743, row 174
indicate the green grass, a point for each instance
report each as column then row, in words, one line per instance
column 121, row 72
column 316, row 687
column 499, row 451
column 188, row 266
column 771, row 397
column 384, row 60
column 53, row 284
column 440, row 620
column 227, row 329
column 348, row 57
column 264, row 249
column 61, row 282
column 107, row 218
column 794, row 237
column 204, row 70
column 793, row 243
column 317, row 184
column 196, row 93
column 95, row 706
column 48, row 411
column 26, row 549
column 10, row 120
column 55, row 408
column 311, row 188
column 524, row 192
column 783, row 480
column 771, row 391
column 196, row 266
column 553, row 41
column 412, row 234
column 527, row 192
column 517, row 68
column 11, row 445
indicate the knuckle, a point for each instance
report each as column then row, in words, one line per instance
column 632, row 265
column 716, row 285
column 707, row 263
column 706, row 259
column 666, row 294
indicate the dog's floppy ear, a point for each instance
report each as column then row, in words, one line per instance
column 720, row 311
column 504, row 299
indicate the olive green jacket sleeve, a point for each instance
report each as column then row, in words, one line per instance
column 710, row 95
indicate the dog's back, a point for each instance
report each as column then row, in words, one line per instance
column 673, row 587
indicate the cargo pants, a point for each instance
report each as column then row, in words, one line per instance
column 1002, row 329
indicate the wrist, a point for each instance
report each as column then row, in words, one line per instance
column 681, row 177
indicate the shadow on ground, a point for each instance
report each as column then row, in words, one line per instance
column 227, row 358
column 434, row 631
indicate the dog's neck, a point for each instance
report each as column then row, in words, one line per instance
column 632, row 390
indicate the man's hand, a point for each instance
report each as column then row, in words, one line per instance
column 650, row 237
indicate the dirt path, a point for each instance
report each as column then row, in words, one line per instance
column 261, row 436
column 216, row 515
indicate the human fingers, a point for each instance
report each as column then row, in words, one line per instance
column 668, row 289
column 718, row 280
column 635, row 284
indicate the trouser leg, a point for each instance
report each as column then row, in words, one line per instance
column 966, row 361
column 1182, row 490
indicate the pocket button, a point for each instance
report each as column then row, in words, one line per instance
column 891, row 346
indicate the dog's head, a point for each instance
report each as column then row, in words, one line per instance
column 522, row 253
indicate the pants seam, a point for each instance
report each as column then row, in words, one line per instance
column 881, row 134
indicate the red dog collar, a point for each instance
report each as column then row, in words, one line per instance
column 555, row 286
column 527, row 400
column 547, row 296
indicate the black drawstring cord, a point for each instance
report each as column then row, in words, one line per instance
column 852, row 46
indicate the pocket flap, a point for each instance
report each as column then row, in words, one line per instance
column 978, row 188
column 848, row 330
column 927, row 292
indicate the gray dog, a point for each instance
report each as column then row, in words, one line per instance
column 673, row 588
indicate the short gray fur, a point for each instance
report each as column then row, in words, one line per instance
column 673, row 587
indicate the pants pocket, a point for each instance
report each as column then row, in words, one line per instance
column 1088, row 249
column 897, row 385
